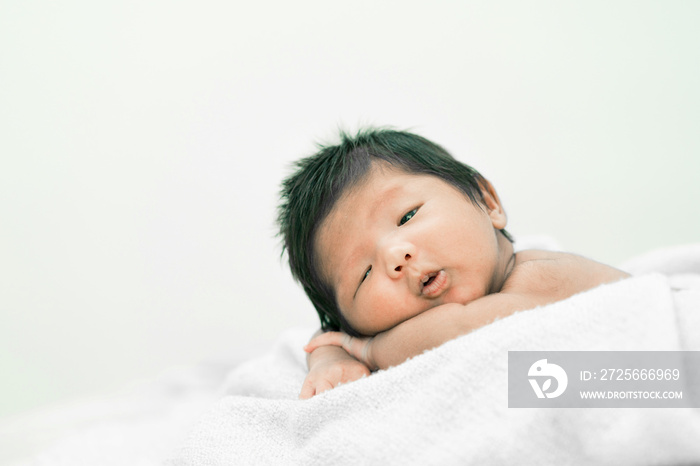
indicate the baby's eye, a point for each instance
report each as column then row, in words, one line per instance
column 407, row 217
column 364, row 277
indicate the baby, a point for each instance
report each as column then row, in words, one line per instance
column 401, row 248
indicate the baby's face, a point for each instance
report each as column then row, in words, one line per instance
column 399, row 244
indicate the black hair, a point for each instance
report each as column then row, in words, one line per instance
column 318, row 181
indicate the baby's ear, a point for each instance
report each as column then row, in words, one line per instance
column 493, row 204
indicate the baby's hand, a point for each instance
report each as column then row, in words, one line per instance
column 359, row 348
column 332, row 369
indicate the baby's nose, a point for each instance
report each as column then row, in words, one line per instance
column 400, row 266
column 398, row 258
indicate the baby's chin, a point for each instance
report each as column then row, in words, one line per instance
column 462, row 295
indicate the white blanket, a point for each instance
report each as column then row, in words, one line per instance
column 450, row 406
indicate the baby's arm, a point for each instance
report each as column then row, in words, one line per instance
column 425, row 331
column 328, row 367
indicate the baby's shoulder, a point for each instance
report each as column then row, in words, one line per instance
column 557, row 273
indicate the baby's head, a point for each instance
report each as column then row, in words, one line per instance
column 386, row 225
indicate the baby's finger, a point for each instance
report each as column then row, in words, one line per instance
column 307, row 390
column 325, row 339
column 323, row 386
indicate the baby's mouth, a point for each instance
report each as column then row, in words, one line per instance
column 432, row 284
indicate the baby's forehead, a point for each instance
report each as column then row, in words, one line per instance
column 379, row 186
column 382, row 177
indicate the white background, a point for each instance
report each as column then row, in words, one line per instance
column 142, row 145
